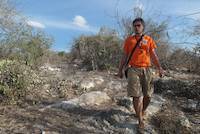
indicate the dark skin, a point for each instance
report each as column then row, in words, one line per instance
column 141, row 103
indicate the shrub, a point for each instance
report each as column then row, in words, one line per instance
column 97, row 52
column 15, row 79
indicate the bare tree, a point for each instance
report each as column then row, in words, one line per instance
column 18, row 40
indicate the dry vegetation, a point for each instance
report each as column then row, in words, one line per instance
column 32, row 75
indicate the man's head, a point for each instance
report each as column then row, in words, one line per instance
column 138, row 25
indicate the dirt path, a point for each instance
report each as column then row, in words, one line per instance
column 113, row 116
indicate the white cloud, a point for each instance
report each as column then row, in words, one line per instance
column 35, row 24
column 80, row 21
column 69, row 25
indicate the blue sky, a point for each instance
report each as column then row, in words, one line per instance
column 68, row 19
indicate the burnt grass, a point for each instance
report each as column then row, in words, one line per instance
column 178, row 93
column 178, row 88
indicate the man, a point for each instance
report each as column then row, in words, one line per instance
column 139, row 72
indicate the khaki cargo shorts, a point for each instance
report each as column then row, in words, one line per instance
column 140, row 82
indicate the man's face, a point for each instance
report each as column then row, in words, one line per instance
column 138, row 27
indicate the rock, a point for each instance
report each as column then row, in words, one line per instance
column 93, row 98
column 184, row 121
column 69, row 104
column 124, row 110
column 48, row 67
column 115, row 85
column 128, row 131
column 192, row 104
column 155, row 105
column 198, row 106
column 98, row 80
column 106, row 123
column 189, row 105
column 47, row 87
column 115, row 119
column 124, row 101
column 49, row 132
column 88, row 83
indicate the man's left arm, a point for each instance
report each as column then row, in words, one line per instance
column 156, row 62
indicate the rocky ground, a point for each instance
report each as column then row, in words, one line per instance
column 70, row 101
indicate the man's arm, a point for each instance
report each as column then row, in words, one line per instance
column 156, row 62
column 122, row 63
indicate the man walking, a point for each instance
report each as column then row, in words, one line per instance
column 140, row 85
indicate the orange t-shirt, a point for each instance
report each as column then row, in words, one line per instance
column 141, row 55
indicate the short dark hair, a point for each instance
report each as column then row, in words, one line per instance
column 139, row 20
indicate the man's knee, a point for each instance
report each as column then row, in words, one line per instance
column 136, row 98
column 147, row 97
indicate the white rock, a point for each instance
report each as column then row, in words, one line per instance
column 88, row 99
column 87, row 84
column 69, row 104
column 115, row 85
column 192, row 104
column 155, row 104
column 98, row 80
column 184, row 120
column 49, row 67
column 93, row 98
column 91, row 82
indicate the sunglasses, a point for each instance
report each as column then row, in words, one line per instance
column 139, row 25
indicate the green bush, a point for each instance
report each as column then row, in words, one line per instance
column 15, row 79
column 97, row 52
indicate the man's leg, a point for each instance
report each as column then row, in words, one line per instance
column 146, row 101
column 138, row 106
column 135, row 89
column 147, row 88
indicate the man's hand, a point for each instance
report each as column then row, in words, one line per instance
column 122, row 63
column 119, row 74
column 161, row 72
column 157, row 63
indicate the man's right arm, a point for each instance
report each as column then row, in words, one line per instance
column 122, row 64
column 123, row 59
